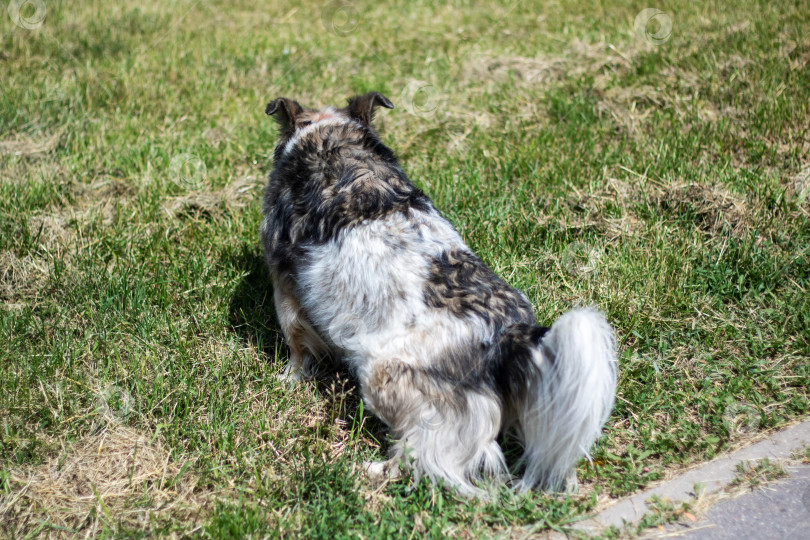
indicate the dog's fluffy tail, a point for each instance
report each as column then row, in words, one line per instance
column 568, row 399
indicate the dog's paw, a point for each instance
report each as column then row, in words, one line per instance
column 290, row 376
column 571, row 484
column 380, row 471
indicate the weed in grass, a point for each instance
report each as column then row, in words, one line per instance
column 662, row 512
column 802, row 454
column 752, row 475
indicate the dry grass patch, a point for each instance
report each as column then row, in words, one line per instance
column 714, row 207
column 800, row 187
column 117, row 477
column 20, row 277
column 534, row 71
column 26, row 146
column 52, row 230
column 602, row 59
column 234, row 196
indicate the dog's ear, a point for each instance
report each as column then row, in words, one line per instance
column 362, row 107
column 284, row 111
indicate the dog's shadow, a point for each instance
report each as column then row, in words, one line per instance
column 252, row 318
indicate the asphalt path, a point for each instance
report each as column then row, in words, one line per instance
column 779, row 511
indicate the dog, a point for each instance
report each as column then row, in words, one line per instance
column 366, row 271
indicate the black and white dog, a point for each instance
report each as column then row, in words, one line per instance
column 367, row 271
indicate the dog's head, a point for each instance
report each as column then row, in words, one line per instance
column 293, row 119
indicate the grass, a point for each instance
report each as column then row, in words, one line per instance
column 668, row 184
column 753, row 475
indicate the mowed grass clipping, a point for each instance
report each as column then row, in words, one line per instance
column 659, row 172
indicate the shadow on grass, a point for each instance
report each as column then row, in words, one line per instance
column 253, row 318
column 251, row 314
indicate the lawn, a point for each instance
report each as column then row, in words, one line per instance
column 655, row 164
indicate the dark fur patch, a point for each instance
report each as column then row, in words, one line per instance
column 501, row 368
column 512, row 363
column 462, row 284
column 338, row 177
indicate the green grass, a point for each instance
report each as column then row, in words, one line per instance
column 753, row 474
column 663, row 183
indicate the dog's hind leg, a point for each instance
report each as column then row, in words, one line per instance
column 305, row 345
column 440, row 433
